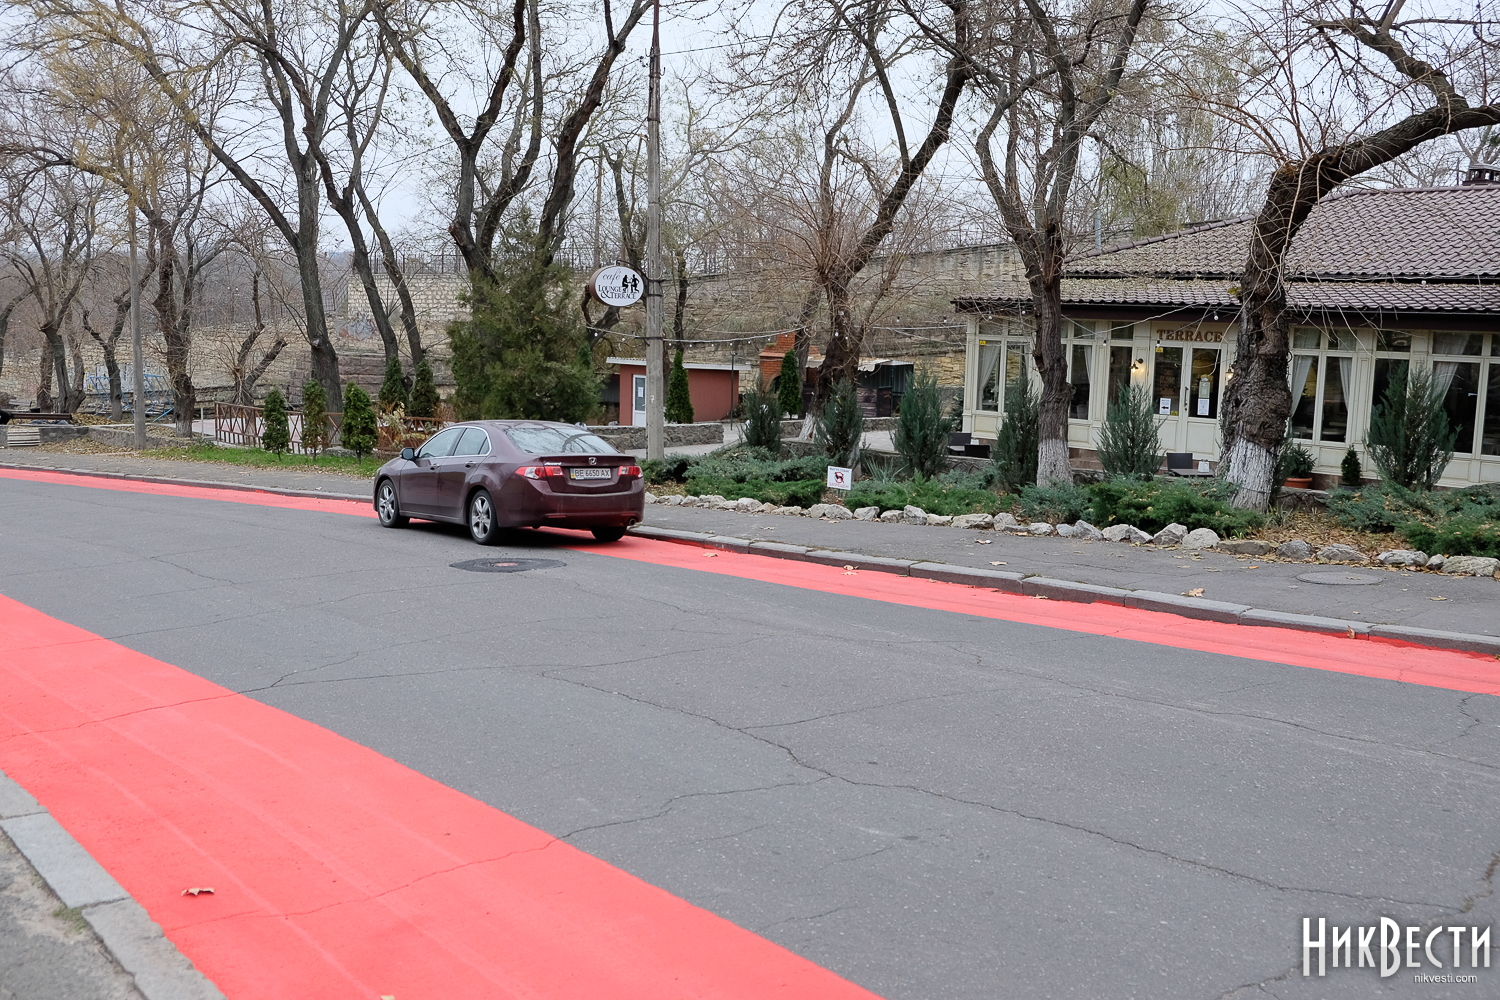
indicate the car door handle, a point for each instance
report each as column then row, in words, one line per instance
column 470, row 465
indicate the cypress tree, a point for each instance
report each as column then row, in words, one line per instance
column 424, row 394
column 358, row 432
column 393, row 388
column 789, row 385
column 1351, row 474
column 762, row 422
column 922, row 427
column 679, row 398
column 277, row 436
column 315, row 429
column 1015, row 453
column 1129, row 444
column 840, row 425
column 1410, row 438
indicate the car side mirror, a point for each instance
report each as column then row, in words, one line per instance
column 408, row 454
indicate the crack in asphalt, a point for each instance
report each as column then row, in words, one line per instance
column 786, row 920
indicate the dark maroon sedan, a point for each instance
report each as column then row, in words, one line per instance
column 495, row 474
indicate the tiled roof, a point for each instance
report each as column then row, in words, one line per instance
column 1426, row 249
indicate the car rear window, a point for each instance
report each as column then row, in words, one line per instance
column 544, row 440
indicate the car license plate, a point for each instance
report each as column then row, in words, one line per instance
column 590, row 473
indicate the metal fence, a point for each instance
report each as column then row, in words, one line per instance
column 243, row 425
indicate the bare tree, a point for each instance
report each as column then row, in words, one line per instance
column 1322, row 54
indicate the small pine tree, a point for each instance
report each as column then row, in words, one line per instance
column 424, row 394
column 1015, row 452
column 922, row 427
column 789, row 385
column 1351, row 473
column 277, row 436
column 358, row 432
column 1410, row 438
column 679, row 397
column 840, row 425
column 1129, row 444
column 393, row 388
column 762, row 422
column 315, row 429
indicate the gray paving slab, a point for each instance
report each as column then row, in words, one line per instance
column 15, row 800
column 138, row 944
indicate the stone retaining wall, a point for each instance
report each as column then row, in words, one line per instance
column 630, row 438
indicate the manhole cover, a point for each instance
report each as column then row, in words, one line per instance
column 1335, row 578
column 505, row 564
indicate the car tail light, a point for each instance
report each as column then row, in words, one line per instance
column 626, row 471
column 540, row 471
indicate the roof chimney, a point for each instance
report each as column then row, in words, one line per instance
column 1482, row 173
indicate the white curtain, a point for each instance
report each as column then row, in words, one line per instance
column 1449, row 343
column 1083, row 361
column 1301, row 365
column 989, row 362
column 1346, row 374
column 1442, row 376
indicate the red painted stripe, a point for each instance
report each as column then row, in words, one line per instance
column 1386, row 659
column 338, row 872
column 254, row 497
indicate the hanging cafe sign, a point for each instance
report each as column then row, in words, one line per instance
column 616, row 286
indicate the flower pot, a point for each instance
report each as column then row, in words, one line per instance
column 1298, row 482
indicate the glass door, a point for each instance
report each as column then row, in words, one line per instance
column 638, row 404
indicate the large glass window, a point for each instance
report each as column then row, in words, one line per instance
column 1490, row 441
column 1167, row 383
column 557, row 439
column 1203, row 388
column 1458, row 383
column 989, row 375
column 1080, row 358
column 1119, row 371
column 1321, row 381
column 474, row 442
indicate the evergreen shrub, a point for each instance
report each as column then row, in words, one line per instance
column 679, row 396
column 1153, row 505
column 945, row 495
column 762, row 422
column 1351, row 473
column 276, row 436
column 922, row 427
column 424, row 395
column 358, row 432
column 1057, row 502
column 316, row 430
column 789, row 385
column 393, row 387
column 840, row 425
column 1410, row 439
column 1015, row 452
column 1129, row 441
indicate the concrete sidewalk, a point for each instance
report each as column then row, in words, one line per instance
column 1369, row 594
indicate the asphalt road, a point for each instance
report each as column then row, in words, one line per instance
column 930, row 804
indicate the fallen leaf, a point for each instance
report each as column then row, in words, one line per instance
column 196, row 890
column 1195, row 592
column 1437, row 598
column 1351, row 631
column 1255, row 567
column 848, row 567
column 983, row 541
column 710, row 555
column 997, row 562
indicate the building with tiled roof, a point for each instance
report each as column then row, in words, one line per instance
column 1376, row 279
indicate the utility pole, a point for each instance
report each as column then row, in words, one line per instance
column 137, row 360
column 655, row 345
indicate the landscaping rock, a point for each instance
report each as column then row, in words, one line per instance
column 973, row 521
column 1471, row 566
column 1200, row 538
column 712, row 498
column 1002, row 519
column 914, row 515
column 1013, row 528
column 794, row 511
column 1245, row 547
column 1039, row 528
column 867, row 513
column 1402, row 557
column 939, row 520
column 1066, row 530
column 676, row 501
column 651, row 497
column 1125, row 533
column 1295, row 549
column 748, row 503
column 1436, row 562
column 1341, row 553
column 1082, row 529
column 832, row 511
column 1172, row 534
column 893, row 517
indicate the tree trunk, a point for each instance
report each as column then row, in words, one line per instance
column 44, row 378
column 324, row 357
column 679, row 309
column 111, row 360
column 1052, row 464
column 5, row 314
column 841, row 359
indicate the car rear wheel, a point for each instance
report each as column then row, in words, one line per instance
column 608, row 534
column 387, row 507
column 484, row 525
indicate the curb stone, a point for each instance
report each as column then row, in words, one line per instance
column 127, row 932
column 1065, row 590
